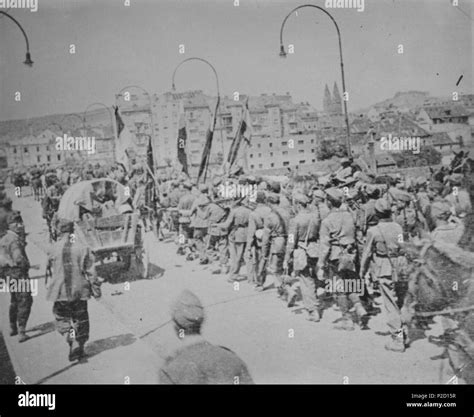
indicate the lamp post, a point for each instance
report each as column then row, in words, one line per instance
column 28, row 60
column 283, row 55
column 173, row 85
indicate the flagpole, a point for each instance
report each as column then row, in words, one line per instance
column 173, row 87
column 155, row 159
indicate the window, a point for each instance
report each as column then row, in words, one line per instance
column 284, row 144
column 59, row 157
column 313, row 150
column 272, row 165
column 47, row 148
column 25, row 150
column 37, row 149
column 14, row 150
column 48, row 158
column 259, row 155
column 271, row 153
column 259, row 145
column 312, row 141
column 302, row 162
column 300, row 142
column 251, row 166
column 251, row 155
column 271, row 145
column 38, row 158
column 285, row 152
column 301, row 151
column 286, row 163
column 260, row 165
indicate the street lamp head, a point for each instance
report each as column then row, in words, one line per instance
column 28, row 60
column 282, row 51
column 173, row 87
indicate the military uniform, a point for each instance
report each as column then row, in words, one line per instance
column 73, row 281
column 237, row 224
column 256, row 268
column 218, row 236
column 304, row 231
column 385, row 261
column 275, row 232
column 15, row 267
column 338, row 255
column 185, row 231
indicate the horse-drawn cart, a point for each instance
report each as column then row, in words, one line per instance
column 106, row 223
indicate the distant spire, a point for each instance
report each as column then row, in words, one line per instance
column 327, row 101
column 336, row 100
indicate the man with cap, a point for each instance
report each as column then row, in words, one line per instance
column 383, row 258
column 73, row 280
column 407, row 215
column 275, row 232
column 338, row 258
column 458, row 198
column 14, row 268
column 236, row 225
column 449, row 229
column 303, row 234
column 319, row 203
column 257, row 217
column 200, row 223
column 197, row 361
column 184, row 208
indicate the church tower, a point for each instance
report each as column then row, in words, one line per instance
column 327, row 101
column 336, row 101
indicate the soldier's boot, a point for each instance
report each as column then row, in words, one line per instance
column 13, row 329
column 22, row 335
column 76, row 350
column 292, row 295
column 346, row 324
column 396, row 342
column 362, row 315
column 314, row 316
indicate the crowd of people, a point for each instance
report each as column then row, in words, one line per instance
column 341, row 237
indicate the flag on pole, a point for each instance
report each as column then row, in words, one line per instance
column 206, row 153
column 182, row 158
column 125, row 143
column 242, row 138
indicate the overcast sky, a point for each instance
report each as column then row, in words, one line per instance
column 118, row 45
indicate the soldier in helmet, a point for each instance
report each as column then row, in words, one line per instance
column 338, row 259
column 303, row 233
column 14, row 267
column 384, row 259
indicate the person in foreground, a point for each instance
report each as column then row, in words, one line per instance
column 197, row 361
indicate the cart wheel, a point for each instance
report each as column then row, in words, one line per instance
column 142, row 260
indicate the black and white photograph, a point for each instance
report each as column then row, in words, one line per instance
column 236, row 192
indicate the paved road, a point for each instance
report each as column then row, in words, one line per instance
column 277, row 343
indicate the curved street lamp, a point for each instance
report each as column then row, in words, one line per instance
column 283, row 55
column 173, row 85
column 28, row 60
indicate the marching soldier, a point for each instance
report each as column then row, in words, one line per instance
column 337, row 261
column 200, row 223
column 15, row 267
column 73, row 281
column 384, row 258
column 254, row 241
column 236, row 224
column 303, row 233
column 185, row 231
column 275, row 232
